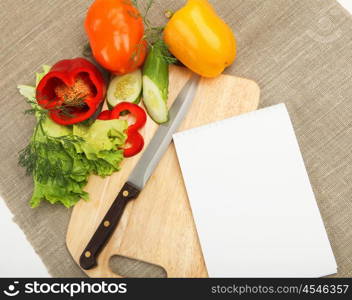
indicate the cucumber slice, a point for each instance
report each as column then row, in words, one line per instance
column 125, row 88
column 156, row 84
column 154, row 102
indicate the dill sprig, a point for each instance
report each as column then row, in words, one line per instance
column 45, row 157
column 67, row 110
column 63, row 109
column 38, row 160
column 152, row 34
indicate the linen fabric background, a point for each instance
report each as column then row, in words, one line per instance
column 298, row 51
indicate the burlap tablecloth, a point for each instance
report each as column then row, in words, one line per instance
column 299, row 52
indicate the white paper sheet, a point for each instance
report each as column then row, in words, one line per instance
column 253, row 205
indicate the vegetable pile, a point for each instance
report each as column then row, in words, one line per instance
column 73, row 138
column 61, row 158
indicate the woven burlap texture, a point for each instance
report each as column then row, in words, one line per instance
column 299, row 52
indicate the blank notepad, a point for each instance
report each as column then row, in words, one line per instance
column 252, row 202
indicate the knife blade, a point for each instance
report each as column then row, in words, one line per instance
column 140, row 174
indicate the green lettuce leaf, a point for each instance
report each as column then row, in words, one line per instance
column 39, row 76
column 57, row 157
column 56, row 130
column 102, row 142
column 28, row 91
column 101, row 136
column 68, row 195
column 94, row 152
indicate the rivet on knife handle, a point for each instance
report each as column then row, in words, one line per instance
column 89, row 257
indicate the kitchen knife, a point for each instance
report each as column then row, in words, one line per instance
column 140, row 174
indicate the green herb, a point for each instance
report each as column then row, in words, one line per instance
column 87, row 51
column 36, row 157
column 65, row 110
column 153, row 34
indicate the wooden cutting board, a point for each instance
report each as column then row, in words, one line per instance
column 158, row 227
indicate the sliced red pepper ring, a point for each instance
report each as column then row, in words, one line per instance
column 72, row 91
column 135, row 110
column 105, row 115
column 136, row 142
column 134, row 138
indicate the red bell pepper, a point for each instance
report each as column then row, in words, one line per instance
column 134, row 138
column 72, row 91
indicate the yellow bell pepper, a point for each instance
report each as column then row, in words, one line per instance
column 200, row 39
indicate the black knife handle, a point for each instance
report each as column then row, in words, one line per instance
column 88, row 258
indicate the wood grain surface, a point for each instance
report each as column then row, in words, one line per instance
column 158, row 227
